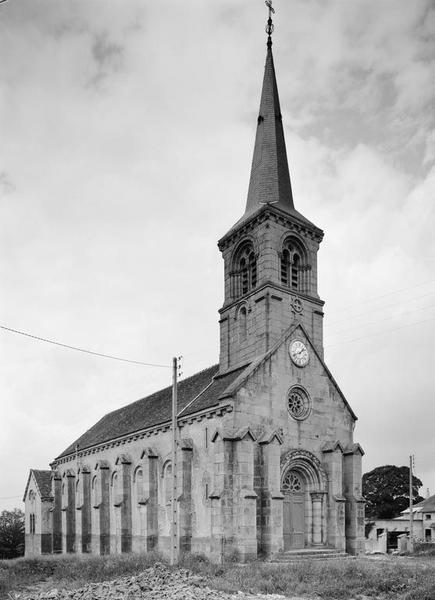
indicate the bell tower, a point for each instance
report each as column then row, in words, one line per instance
column 270, row 254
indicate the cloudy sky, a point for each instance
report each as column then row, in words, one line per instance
column 127, row 130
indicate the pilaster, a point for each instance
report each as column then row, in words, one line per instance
column 57, row 514
column 104, row 506
column 124, row 500
column 333, row 464
column 354, row 506
column 70, row 511
column 245, row 498
column 85, row 509
column 317, row 517
column 271, row 501
column 148, row 501
column 185, row 499
column 234, row 500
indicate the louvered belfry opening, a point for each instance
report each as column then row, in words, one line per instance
column 244, row 273
column 294, row 266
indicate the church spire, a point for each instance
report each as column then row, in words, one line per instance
column 270, row 178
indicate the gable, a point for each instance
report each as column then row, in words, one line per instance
column 42, row 479
column 281, row 348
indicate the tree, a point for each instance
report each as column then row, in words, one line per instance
column 386, row 490
column 11, row 533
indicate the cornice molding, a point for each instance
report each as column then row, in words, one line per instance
column 274, row 286
column 215, row 411
column 272, row 214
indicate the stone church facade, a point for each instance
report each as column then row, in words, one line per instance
column 266, row 458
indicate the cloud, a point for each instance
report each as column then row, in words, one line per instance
column 429, row 155
column 120, row 196
column 108, row 58
column 6, row 185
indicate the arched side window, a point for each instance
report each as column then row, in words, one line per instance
column 294, row 266
column 139, row 488
column 64, row 495
column 244, row 271
column 242, row 323
column 167, row 483
column 79, row 492
column 32, row 512
column 115, row 492
column 95, row 491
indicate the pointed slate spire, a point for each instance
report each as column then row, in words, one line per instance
column 270, row 177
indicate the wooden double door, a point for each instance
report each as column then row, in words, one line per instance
column 294, row 520
column 293, row 488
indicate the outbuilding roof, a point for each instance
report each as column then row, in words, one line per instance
column 426, row 505
column 43, row 482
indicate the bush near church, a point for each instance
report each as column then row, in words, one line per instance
column 386, row 491
column 11, row 533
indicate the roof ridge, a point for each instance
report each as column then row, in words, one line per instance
column 159, row 391
column 148, row 411
column 180, row 383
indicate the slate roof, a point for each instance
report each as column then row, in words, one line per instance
column 43, row 482
column 196, row 393
column 427, row 505
column 269, row 182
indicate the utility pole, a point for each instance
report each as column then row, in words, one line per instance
column 411, row 516
column 174, row 508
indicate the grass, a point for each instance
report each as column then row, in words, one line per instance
column 424, row 549
column 395, row 578
column 69, row 571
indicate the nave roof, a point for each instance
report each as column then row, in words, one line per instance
column 196, row 393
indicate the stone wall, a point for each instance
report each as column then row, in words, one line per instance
column 37, row 521
column 270, row 307
column 229, row 472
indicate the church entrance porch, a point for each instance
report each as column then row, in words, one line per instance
column 303, row 485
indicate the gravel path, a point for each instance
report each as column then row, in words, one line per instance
column 155, row 583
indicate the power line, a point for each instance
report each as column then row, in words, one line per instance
column 41, row 339
column 379, row 308
column 10, row 497
column 379, row 333
column 366, row 301
column 367, row 324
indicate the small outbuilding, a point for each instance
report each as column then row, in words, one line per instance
column 38, row 502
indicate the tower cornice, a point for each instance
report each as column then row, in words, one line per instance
column 294, row 222
column 258, row 294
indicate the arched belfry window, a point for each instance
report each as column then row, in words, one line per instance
column 294, row 266
column 244, row 272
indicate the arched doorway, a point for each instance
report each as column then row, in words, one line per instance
column 303, row 484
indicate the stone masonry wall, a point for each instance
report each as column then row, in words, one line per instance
column 270, row 305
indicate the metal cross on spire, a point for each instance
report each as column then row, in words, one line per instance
column 269, row 26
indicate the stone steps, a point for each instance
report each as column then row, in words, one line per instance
column 291, row 556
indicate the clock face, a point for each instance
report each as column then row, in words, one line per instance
column 299, row 353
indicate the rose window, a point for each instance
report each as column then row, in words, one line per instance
column 298, row 403
column 292, row 482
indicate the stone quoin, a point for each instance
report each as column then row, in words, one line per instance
column 266, row 456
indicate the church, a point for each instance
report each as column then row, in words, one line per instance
column 266, row 460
